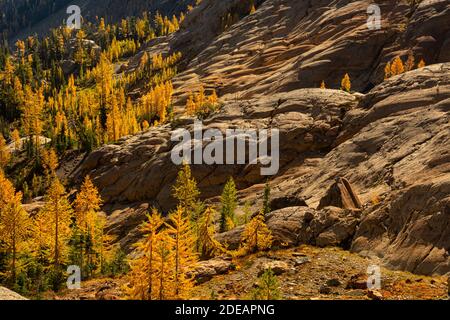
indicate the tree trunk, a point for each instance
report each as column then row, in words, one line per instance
column 161, row 276
column 56, row 234
column 150, row 270
column 14, row 254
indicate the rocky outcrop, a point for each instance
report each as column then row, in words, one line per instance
column 286, row 202
column 6, row 294
column 341, row 195
column 139, row 168
column 137, row 173
column 412, row 231
column 205, row 270
column 293, row 226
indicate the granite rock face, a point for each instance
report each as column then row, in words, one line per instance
column 140, row 167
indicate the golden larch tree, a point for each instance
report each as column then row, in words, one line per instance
column 87, row 216
column 228, row 200
column 421, row 63
column 184, row 255
column 18, row 92
column 164, row 287
column 145, row 125
column 5, row 153
column 103, row 75
column 40, row 246
column 49, row 161
column 144, row 269
column 208, row 245
column 346, row 84
column 8, row 73
column 397, row 67
column 190, row 106
column 15, row 229
column 387, row 71
column 137, row 281
column 114, row 121
column 7, row 190
column 213, row 98
column 57, row 214
column 15, row 135
column 103, row 244
column 150, row 229
column 32, row 115
column 200, row 98
column 185, row 190
column 410, row 62
column 256, row 235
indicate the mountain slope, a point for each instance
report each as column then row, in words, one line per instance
column 292, row 44
column 389, row 139
column 23, row 18
column 399, row 127
column 375, row 140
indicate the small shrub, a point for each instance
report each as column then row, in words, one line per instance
column 267, row 287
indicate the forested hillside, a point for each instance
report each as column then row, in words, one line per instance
column 21, row 18
column 22, row 14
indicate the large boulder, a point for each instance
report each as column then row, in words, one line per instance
column 277, row 267
column 206, row 270
column 341, row 194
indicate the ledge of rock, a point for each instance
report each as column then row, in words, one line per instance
column 205, row 270
column 6, row 294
